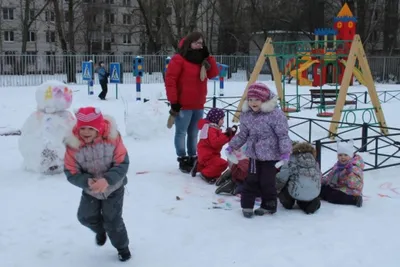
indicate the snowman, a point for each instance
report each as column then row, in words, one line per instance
column 41, row 142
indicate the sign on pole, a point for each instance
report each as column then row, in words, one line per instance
column 116, row 74
column 87, row 71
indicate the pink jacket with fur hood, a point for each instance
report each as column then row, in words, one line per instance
column 105, row 157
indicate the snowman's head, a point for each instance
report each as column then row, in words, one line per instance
column 53, row 96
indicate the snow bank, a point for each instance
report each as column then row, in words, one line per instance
column 146, row 121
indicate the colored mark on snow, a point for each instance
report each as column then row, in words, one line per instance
column 389, row 186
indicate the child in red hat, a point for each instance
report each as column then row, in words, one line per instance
column 97, row 161
column 212, row 139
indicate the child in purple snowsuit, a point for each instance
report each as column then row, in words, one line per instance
column 265, row 129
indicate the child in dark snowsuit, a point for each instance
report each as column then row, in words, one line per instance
column 209, row 162
column 97, row 161
column 299, row 180
column 344, row 183
column 265, row 130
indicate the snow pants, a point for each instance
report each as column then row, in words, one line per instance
column 105, row 216
column 336, row 196
column 261, row 181
column 288, row 202
column 213, row 167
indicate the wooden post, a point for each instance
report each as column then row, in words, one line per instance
column 357, row 52
column 367, row 75
column 254, row 75
column 341, row 99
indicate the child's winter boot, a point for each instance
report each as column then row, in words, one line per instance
column 247, row 213
column 101, row 239
column 124, row 254
column 268, row 208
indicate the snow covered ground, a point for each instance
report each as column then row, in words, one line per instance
column 39, row 226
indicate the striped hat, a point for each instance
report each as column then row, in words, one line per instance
column 259, row 91
column 90, row 117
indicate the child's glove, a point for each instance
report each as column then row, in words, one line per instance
column 231, row 131
column 229, row 150
column 283, row 161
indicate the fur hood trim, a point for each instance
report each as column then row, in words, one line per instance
column 303, row 147
column 110, row 132
column 266, row 107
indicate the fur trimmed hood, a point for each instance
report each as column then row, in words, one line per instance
column 266, row 106
column 303, row 147
column 110, row 132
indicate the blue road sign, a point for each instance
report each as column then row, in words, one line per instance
column 87, row 71
column 116, row 72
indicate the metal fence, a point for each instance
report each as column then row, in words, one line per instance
column 30, row 70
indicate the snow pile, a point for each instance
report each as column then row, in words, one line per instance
column 146, row 120
column 41, row 142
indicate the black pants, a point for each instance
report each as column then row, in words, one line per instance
column 104, row 89
column 337, row 197
column 259, row 182
column 288, row 202
column 105, row 216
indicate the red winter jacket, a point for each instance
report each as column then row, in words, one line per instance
column 183, row 84
column 212, row 146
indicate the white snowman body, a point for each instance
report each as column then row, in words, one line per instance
column 42, row 135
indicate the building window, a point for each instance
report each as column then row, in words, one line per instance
column 50, row 37
column 127, row 39
column 9, row 36
column 110, row 19
column 31, row 36
column 66, row 16
column 31, row 15
column 109, row 1
column 127, row 2
column 50, row 15
column 8, row 13
column 127, row 19
column 10, row 57
column 94, row 18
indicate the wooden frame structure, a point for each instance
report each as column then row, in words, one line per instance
column 356, row 52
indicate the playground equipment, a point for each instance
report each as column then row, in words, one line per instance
column 330, row 57
column 355, row 52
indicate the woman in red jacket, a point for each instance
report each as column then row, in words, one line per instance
column 186, row 87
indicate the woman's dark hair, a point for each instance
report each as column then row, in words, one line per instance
column 190, row 38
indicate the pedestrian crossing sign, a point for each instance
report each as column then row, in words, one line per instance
column 87, row 71
column 116, row 73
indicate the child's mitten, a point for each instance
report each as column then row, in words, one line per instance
column 231, row 131
column 283, row 161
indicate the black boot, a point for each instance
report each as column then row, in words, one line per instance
column 359, row 201
column 209, row 180
column 228, row 187
column 227, row 175
column 184, row 164
column 101, row 239
column 192, row 160
column 124, row 254
column 193, row 172
column 268, row 208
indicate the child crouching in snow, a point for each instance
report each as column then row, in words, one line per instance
column 97, row 161
column 209, row 162
column 344, row 183
column 265, row 130
column 299, row 180
column 231, row 181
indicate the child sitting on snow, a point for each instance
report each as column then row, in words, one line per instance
column 209, row 162
column 97, row 161
column 299, row 180
column 231, row 180
column 344, row 183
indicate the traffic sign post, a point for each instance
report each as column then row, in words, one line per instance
column 88, row 75
column 138, row 71
column 116, row 75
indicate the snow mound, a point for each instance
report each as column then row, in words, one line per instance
column 41, row 141
column 146, row 120
column 53, row 96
